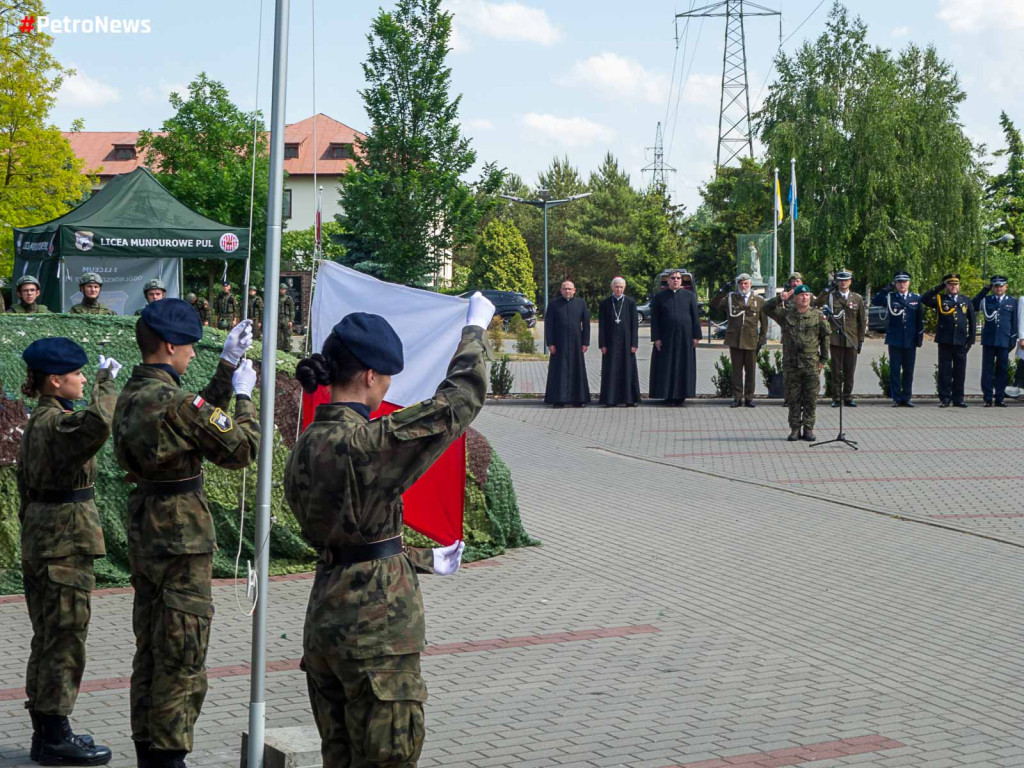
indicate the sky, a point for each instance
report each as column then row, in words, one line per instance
column 538, row 78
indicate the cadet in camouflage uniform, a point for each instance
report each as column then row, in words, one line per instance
column 805, row 335
column 27, row 289
column 285, row 318
column 153, row 290
column 162, row 434
column 90, row 284
column 60, row 536
column 226, row 307
column 344, row 480
column 201, row 306
column 256, row 312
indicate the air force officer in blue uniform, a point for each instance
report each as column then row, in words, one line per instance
column 904, row 333
column 998, row 337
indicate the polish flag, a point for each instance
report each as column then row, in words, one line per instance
column 430, row 326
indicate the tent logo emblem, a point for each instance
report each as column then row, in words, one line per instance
column 229, row 242
column 83, row 241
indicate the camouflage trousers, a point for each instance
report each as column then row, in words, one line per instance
column 802, row 384
column 369, row 711
column 284, row 338
column 171, row 620
column 57, row 592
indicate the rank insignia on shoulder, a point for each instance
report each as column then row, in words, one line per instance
column 220, row 420
column 198, row 402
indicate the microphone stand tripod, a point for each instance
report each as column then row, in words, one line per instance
column 841, row 437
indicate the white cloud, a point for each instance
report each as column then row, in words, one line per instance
column 979, row 15
column 162, row 91
column 478, row 124
column 569, row 131
column 619, row 78
column 80, row 90
column 703, row 89
column 900, row 31
column 502, row 21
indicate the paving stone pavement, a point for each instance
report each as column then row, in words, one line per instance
column 674, row 616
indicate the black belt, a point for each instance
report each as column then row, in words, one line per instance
column 170, row 487
column 62, row 497
column 361, row 553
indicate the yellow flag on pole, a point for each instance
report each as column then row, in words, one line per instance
column 778, row 200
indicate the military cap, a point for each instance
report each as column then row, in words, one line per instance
column 190, row 297
column 844, row 274
column 795, row 276
column 54, row 355
column 154, row 284
column 225, row 282
column 741, row 277
column 90, row 277
column 997, row 280
column 283, row 287
column 27, row 280
column 953, row 278
column 801, row 289
column 173, row 320
column 373, row 342
column 901, row 275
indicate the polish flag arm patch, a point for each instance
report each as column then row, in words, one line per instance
column 198, row 402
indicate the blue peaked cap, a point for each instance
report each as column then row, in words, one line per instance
column 55, row 355
column 173, row 320
column 373, row 342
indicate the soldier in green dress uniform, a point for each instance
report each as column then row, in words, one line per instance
column 90, row 284
column 344, row 481
column 27, row 289
column 60, row 537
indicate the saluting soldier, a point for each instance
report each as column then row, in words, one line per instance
column 256, row 312
column 848, row 308
column 746, row 331
column 153, row 290
column 201, row 306
column 226, row 307
column 27, row 289
column 344, row 481
column 904, row 335
column 998, row 337
column 90, row 284
column 162, row 434
column 285, row 319
column 954, row 334
column 805, row 335
column 795, row 279
column 60, row 537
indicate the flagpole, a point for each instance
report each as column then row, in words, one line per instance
column 272, row 275
column 775, row 234
column 792, row 216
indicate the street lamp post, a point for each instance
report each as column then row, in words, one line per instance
column 544, row 203
column 1007, row 238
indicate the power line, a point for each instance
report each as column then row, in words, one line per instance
column 682, row 87
column 790, row 37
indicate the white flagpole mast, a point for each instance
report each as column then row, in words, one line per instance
column 272, row 275
column 775, row 234
column 792, row 217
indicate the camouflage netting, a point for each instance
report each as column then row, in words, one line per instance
column 492, row 514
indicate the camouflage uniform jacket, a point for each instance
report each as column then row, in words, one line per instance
column 804, row 335
column 256, row 309
column 851, row 311
column 29, row 309
column 286, row 311
column 202, row 306
column 57, row 453
column 344, row 482
column 162, row 432
column 226, row 307
column 90, row 308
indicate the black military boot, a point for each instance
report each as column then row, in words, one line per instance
column 37, row 737
column 142, row 754
column 794, row 434
column 160, row 758
column 809, row 435
column 60, row 746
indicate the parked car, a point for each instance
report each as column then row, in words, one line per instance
column 877, row 319
column 507, row 304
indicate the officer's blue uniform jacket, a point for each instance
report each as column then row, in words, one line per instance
column 1000, row 329
column 905, row 322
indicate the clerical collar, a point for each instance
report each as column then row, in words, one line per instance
column 67, row 405
column 166, row 369
column 361, row 408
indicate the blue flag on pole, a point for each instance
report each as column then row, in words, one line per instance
column 792, row 196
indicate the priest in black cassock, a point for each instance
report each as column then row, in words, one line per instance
column 617, row 334
column 567, row 336
column 675, row 331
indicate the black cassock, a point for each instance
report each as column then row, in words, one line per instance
column 617, row 330
column 567, row 327
column 675, row 321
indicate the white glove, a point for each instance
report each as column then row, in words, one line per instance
column 448, row 559
column 238, row 342
column 480, row 311
column 244, row 378
column 110, row 364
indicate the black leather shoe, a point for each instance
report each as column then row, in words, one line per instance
column 851, row 403
column 60, row 746
column 897, row 404
column 959, row 405
column 735, row 404
column 988, row 403
column 944, row 404
column 749, row 404
column 1000, row 404
column 835, row 403
column 908, row 404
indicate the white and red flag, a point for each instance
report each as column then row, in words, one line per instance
column 430, row 326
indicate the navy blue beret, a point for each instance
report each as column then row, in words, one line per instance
column 373, row 342
column 54, row 355
column 173, row 320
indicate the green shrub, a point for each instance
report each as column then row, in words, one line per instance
column 722, row 379
column 880, row 365
column 501, row 377
column 516, row 325
column 769, row 363
column 496, row 334
column 526, row 344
